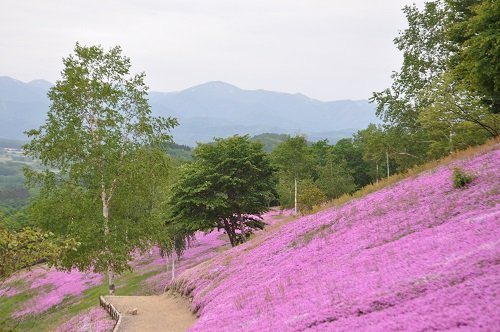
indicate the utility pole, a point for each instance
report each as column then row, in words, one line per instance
column 387, row 158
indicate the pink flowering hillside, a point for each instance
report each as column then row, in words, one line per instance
column 420, row 255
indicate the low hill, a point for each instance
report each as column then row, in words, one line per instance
column 419, row 255
column 213, row 109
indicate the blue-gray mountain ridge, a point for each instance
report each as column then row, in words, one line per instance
column 213, row 109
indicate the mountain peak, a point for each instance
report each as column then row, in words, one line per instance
column 214, row 86
column 41, row 84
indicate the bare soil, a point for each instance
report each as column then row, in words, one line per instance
column 166, row 312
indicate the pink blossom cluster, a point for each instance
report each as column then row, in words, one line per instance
column 53, row 286
column 95, row 319
column 417, row 256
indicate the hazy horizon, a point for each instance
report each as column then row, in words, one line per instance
column 326, row 50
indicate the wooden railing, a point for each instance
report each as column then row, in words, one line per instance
column 117, row 317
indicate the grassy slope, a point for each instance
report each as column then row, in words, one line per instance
column 416, row 255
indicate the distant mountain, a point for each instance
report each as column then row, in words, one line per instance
column 213, row 109
column 217, row 109
column 23, row 106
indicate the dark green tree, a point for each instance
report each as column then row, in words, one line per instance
column 347, row 153
column 97, row 128
column 226, row 187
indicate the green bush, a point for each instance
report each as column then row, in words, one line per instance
column 461, row 178
column 309, row 196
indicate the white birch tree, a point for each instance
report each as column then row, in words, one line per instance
column 98, row 123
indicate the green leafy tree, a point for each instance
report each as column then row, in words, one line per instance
column 98, row 123
column 425, row 58
column 450, row 66
column 374, row 144
column 334, row 179
column 346, row 152
column 226, row 187
column 294, row 162
column 445, row 128
column 475, row 28
column 24, row 248
column 331, row 174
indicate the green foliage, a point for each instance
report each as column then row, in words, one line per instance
column 30, row 246
column 227, row 186
column 134, row 220
column 294, row 162
column 445, row 96
column 293, row 159
column 332, row 169
column 270, row 140
column 309, row 196
column 475, row 27
column 100, row 136
column 334, row 179
column 347, row 152
column 461, row 178
column 180, row 152
column 285, row 192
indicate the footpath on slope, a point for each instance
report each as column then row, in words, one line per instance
column 166, row 312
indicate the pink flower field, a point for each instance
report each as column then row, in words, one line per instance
column 417, row 256
column 54, row 286
column 95, row 320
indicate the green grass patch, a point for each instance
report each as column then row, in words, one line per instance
column 131, row 283
column 8, row 306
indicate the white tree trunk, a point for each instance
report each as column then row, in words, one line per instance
column 111, row 280
column 295, row 198
column 105, row 214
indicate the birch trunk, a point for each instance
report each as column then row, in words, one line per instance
column 387, row 160
column 295, row 196
column 105, row 215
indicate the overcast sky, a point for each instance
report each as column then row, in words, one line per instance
column 325, row 49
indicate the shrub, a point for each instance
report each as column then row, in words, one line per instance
column 309, row 196
column 461, row 178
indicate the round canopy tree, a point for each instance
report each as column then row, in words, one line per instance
column 226, row 187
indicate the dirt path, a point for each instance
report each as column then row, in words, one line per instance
column 164, row 312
